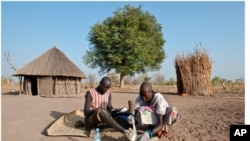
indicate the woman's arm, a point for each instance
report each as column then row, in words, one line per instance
column 159, row 125
column 138, row 102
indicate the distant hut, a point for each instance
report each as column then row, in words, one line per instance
column 51, row 74
column 193, row 71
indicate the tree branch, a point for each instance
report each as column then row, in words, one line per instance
column 8, row 58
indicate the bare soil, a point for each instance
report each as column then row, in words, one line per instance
column 26, row 118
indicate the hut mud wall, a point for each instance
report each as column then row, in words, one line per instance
column 65, row 85
column 30, row 85
column 27, row 86
column 52, row 86
column 45, row 86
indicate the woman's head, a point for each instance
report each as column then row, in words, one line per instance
column 146, row 92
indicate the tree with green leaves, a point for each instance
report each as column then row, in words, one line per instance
column 130, row 42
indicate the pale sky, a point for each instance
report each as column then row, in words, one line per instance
column 31, row 28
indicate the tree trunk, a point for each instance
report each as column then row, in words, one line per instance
column 122, row 76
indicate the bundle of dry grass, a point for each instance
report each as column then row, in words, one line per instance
column 193, row 71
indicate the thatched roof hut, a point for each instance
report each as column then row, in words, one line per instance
column 51, row 74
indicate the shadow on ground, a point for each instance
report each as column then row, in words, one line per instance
column 11, row 93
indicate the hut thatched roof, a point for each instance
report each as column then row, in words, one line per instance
column 51, row 63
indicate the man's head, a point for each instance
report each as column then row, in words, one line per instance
column 146, row 92
column 104, row 85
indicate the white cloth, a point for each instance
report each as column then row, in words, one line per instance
column 158, row 103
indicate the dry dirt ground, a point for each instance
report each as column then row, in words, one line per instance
column 26, row 118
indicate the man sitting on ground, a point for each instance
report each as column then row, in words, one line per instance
column 98, row 107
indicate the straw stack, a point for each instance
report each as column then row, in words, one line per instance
column 193, row 71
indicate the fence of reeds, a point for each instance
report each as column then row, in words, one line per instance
column 193, row 71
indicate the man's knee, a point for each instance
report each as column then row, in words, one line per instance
column 101, row 113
